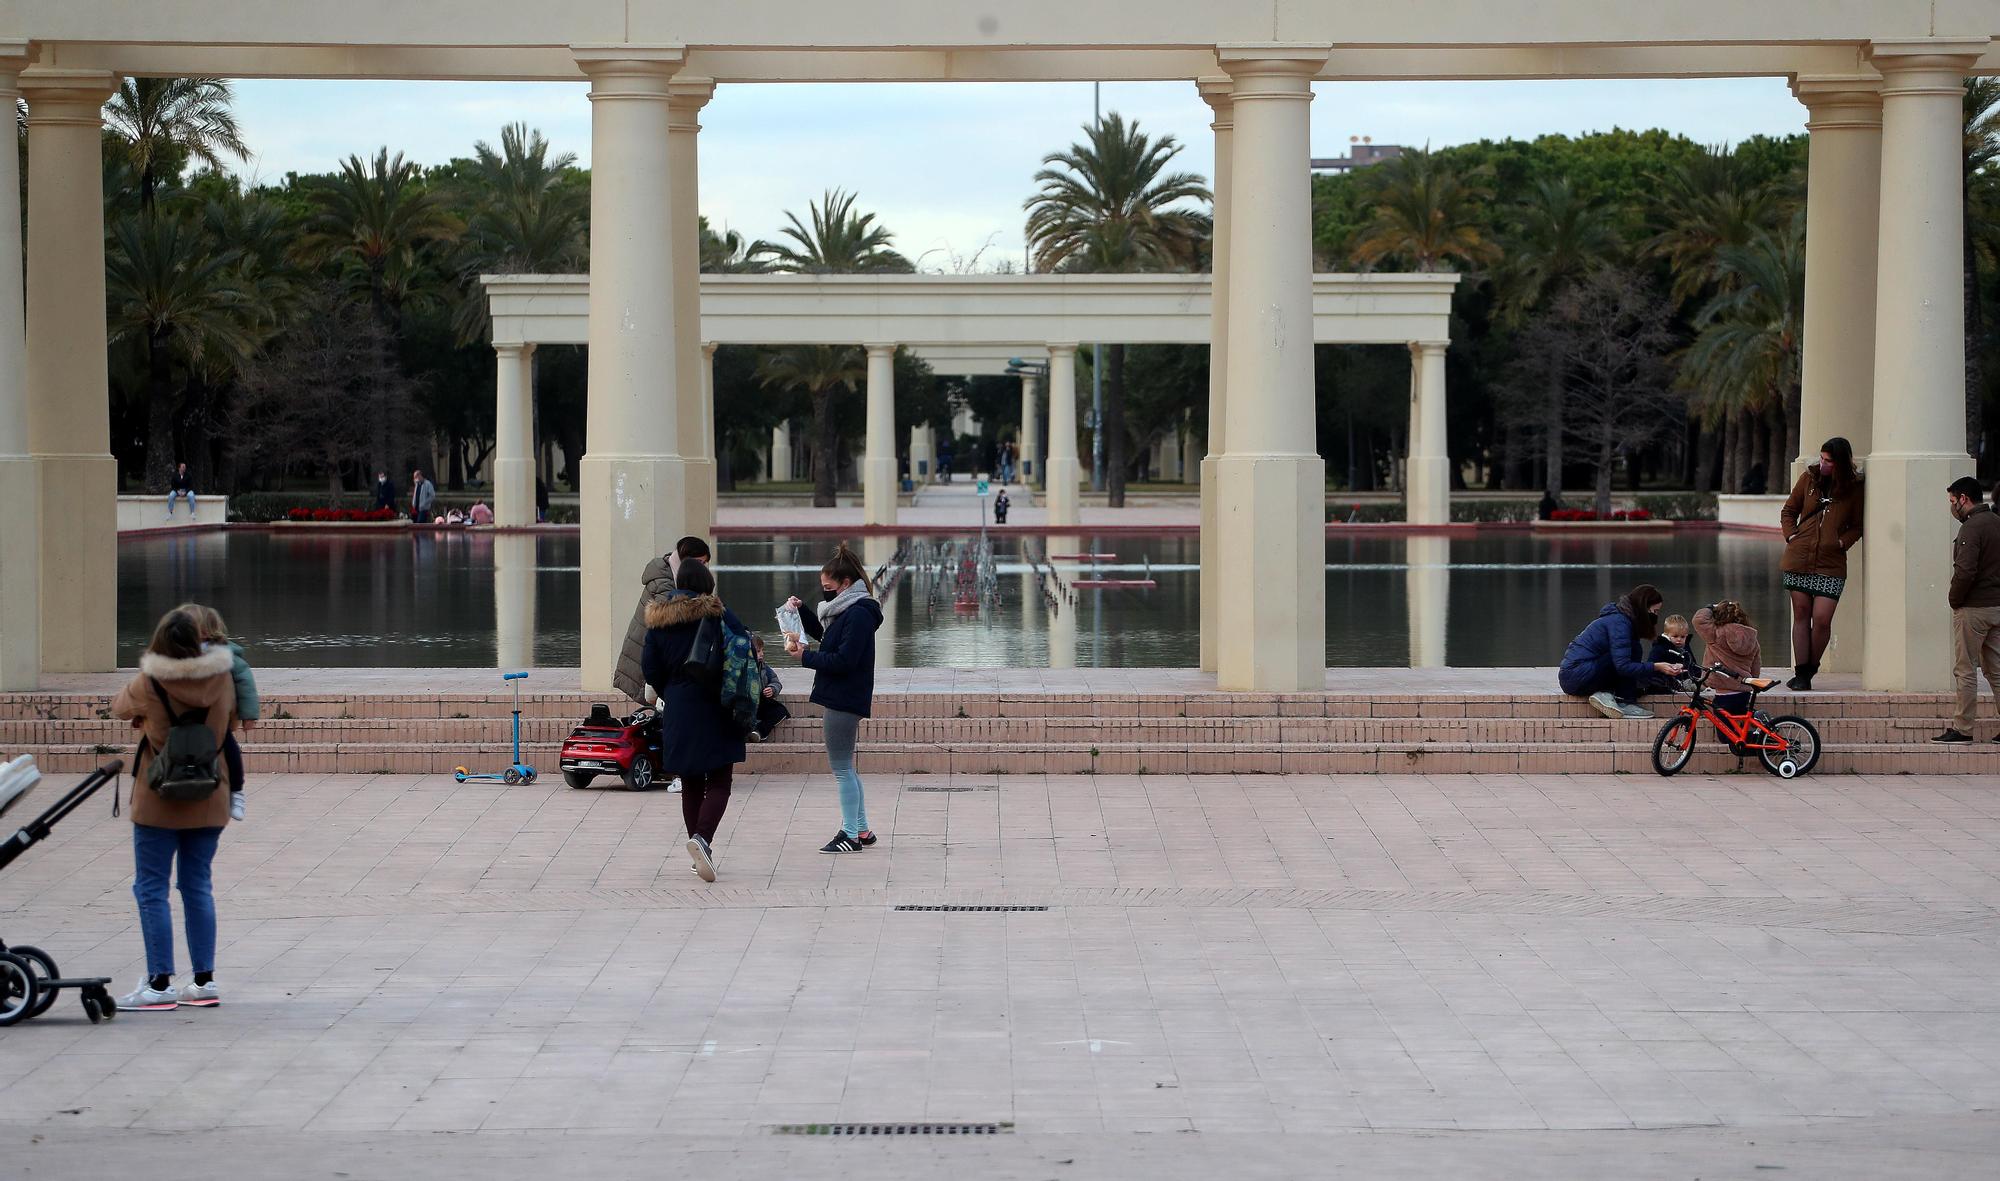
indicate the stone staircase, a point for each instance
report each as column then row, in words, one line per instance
column 1058, row 733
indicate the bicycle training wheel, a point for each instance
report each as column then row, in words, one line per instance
column 1801, row 753
column 1675, row 745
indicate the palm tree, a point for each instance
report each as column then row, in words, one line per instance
column 376, row 218
column 526, row 219
column 1427, row 213
column 168, row 121
column 1558, row 237
column 839, row 242
column 1705, row 203
column 729, row 253
column 1745, row 359
column 819, row 371
column 176, row 293
column 1108, row 204
column 1982, row 148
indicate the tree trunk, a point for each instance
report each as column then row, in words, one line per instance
column 826, row 449
column 455, row 474
column 1779, row 460
column 1703, row 450
column 1731, row 480
column 159, row 413
column 1114, row 425
column 1353, row 457
column 1552, row 443
column 1510, row 455
column 1606, row 459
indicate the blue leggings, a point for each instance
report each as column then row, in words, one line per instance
column 840, row 730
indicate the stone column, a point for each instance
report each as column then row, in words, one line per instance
column 514, row 600
column 1219, row 94
column 1270, row 483
column 514, row 435
column 689, row 395
column 781, row 452
column 20, row 485
column 878, row 458
column 634, row 498
column 1031, row 430
column 1427, row 597
column 69, row 404
column 1428, row 471
column 1918, row 442
column 1062, row 470
column 876, row 552
column 1843, row 217
column 1062, row 621
column 923, row 463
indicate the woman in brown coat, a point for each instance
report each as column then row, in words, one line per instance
column 1822, row 521
column 178, row 676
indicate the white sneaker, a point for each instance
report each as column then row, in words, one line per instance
column 236, row 805
column 674, row 786
column 146, row 997
column 1606, row 704
column 1634, row 711
column 202, row 996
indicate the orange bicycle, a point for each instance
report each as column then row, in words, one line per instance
column 1787, row 745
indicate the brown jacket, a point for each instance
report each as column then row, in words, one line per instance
column 1975, row 560
column 656, row 583
column 199, row 682
column 1734, row 645
column 1816, row 539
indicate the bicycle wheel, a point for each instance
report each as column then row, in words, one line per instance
column 1801, row 753
column 1674, row 746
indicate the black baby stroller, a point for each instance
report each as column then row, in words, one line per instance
column 29, row 980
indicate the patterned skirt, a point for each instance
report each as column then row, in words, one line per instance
column 1820, row 586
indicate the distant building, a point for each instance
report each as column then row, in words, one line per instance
column 1361, row 153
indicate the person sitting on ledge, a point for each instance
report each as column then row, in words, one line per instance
column 479, row 514
column 1602, row 663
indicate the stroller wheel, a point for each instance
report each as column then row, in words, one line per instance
column 95, row 994
column 18, row 990
column 91, row 1010
column 44, row 967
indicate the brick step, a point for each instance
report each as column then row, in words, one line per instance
column 1031, row 731
column 1600, row 757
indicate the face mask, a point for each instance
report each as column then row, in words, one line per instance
column 827, row 596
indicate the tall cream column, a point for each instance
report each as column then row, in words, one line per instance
column 514, row 435
column 1427, row 597
column 690, row 396
column 1427, row 475
column 1843, row 217
column 877, row 552
column 20, row 485
column 634, row 498
column 878, row 459
column 923, row 463
column 1270, row 483
column 1031, row 430
column 69, row 403
column 1219, row 94
column 514, row 600
column 1062, row 470
column 781, row 452
column 1919, row 438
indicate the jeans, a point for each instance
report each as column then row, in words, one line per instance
column 1600, row 680
column 177, row 493
column 840, row 729
column 153, row 854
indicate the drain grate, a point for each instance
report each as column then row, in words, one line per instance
column 978, row 787
column 973, row 909
column 997, row 1129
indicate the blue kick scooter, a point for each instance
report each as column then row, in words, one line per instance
column 519, row 772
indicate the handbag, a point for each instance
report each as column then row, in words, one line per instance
column 706, row 655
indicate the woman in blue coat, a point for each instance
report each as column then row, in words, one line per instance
column 1604, row 663
column 843, row 680
column 698, row 742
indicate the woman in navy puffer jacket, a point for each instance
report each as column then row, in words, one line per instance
column 843, row 680
column 1604, row 663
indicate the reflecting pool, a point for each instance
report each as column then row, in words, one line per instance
column 423, row 599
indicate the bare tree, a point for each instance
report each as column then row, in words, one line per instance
column 321, row 395
column 1608, row 338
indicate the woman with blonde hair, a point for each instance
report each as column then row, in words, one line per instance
column 844, row 624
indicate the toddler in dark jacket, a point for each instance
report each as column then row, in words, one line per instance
column 770, row 711
column 1671, row 647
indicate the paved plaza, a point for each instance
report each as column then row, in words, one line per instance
column 1253, row 976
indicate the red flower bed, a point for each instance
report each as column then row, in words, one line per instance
column 1585, row 514
column 322, row 516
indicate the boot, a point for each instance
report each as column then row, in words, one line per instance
column 1802, row 676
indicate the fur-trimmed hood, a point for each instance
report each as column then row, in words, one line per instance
column 683, row 608
column 217, row 661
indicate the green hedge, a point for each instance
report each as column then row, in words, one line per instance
column 1664, row 506
column 261, row 507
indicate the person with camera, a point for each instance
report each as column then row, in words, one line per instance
column 1821, row 522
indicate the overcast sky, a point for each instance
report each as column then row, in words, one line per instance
column 947, row 166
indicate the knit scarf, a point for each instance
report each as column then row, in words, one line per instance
column 855, row 592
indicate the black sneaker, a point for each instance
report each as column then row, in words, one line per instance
column 841, row 843
column 1953, row 736
column 868, row 837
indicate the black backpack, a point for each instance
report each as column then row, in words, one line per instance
column 188, row 767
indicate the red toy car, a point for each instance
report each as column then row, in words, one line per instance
column 627, row 747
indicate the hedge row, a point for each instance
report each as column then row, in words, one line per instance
column 261, row 507
column 1667, row 506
